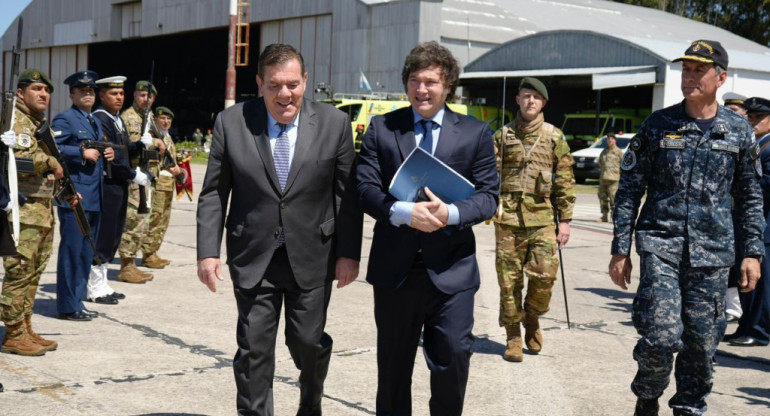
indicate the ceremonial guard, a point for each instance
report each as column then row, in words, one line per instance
column 118, row 175
column 536, row 183
column 693, row 163
column 137, row 225
column 72, row 129
column 22, row 273
column 164, row 193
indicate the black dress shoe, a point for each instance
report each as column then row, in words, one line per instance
column 92, row 314
column 730, row 337
column 117, row 295
column 746, row 342
column 75, row 316
column 105, row 300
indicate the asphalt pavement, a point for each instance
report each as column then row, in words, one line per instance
column 167, row 348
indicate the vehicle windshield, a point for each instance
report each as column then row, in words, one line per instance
column 602, row 143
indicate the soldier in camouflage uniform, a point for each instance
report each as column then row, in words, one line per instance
column 161, row 201
column 692, row 159
column 22, row 273
column 137, row 225
column 609, row 166
column 536, row 179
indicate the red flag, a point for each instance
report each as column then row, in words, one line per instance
column 187, row 187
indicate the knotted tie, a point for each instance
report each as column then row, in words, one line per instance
column 282, row 164
column 281, row 156
column 427, row 138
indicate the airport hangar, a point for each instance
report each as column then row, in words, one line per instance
column 591, row 53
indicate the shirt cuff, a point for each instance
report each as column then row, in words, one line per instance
column 401, row 213
column 454, row 215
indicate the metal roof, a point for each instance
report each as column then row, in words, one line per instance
column 661, row 33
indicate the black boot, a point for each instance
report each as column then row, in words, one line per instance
column 646, row 407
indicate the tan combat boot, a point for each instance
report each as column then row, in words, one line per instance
column 604, row 218
column 513, row 351
column 533, row 337
column 129, row 273
column 17, row 341
column 47, row 345
column 153, row 261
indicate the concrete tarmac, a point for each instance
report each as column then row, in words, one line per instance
column 167, row 348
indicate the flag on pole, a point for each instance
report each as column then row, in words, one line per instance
column 363, row 83
column 187, row 187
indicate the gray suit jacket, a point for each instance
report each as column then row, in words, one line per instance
column 317, row 209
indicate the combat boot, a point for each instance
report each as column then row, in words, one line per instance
column 646, row 407
column 47, row 345
column 153, row 261
column 604, row 218
column 533, row 337
column 513, row 351
column 17, row 341
column 129, row 273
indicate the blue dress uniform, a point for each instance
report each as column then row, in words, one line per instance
column 689, row 170
column 75, row 254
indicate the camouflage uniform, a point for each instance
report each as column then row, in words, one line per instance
column 609, row 165
column 22, row 273
column 536, row 171
column 137, row 225
column 684, row 235
column 161, row 207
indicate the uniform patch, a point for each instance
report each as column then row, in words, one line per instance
column 720, row 128
column 725, row 147
column 672, row 142
column 24, row 141
column 636, row 143
column 629, row 160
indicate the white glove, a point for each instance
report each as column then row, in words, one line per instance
column 141, row 178
column 146, row 140
column 9, row 138
column 8, row 207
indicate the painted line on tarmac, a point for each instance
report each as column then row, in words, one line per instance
column 593, row 228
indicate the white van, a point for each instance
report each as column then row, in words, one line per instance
column 587, row 160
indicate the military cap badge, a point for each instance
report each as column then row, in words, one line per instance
column 36, row 76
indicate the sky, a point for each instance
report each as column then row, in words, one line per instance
column 9, row 10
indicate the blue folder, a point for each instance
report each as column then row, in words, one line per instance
column 421, row 169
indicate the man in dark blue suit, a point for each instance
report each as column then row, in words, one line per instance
column 423, row 257
column 754, row 324
column 71, row 128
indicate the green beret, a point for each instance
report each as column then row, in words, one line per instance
column 164, row 111
column 534, row 84
column 30, row 75
column 145, row 86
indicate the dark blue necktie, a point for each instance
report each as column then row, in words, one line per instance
column 93, row 126
column 427, row 138
column 281, row 156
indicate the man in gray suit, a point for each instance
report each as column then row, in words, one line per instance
column 292, row 227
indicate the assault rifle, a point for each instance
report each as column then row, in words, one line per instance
column 101, row 146
column 8, row 159
column 146, row 155
column 66, row 188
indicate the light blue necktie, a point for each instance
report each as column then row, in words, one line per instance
column 427, row 138
column 281, row 156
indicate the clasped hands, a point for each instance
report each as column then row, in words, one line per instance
column 431, row 215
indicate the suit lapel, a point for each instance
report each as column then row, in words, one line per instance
column 449, row 137
column 255, row 116
column 306, row 131
column 405, row 133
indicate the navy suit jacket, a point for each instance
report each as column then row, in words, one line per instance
column 764, row 157
column 71, row 127
column 465, row 144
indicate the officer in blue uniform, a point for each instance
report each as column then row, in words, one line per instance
column 754, row 324
column 692, row 160
column 71, row 128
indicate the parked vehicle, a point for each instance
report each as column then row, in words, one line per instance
column 587, row 160
column 580, row 129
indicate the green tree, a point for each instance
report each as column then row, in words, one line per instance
column 746, row 18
